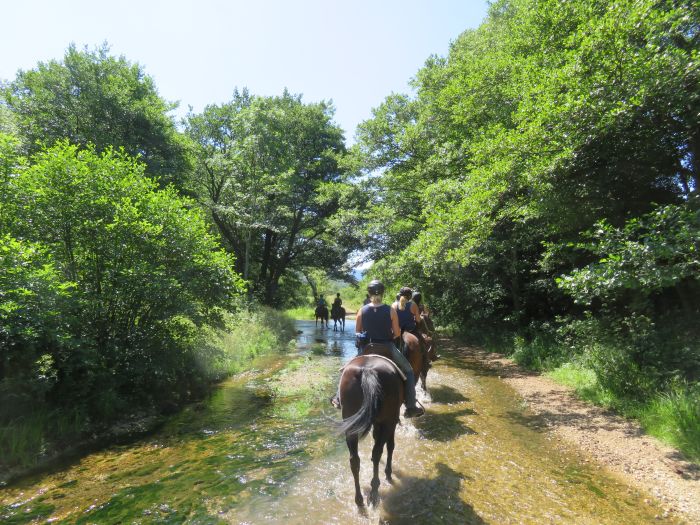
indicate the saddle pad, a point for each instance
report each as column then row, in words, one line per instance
column 401, row 374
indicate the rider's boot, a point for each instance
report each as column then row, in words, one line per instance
column 410, row 398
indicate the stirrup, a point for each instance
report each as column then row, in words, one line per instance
column 335, row 401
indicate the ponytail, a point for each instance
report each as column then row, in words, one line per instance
column 402, row 303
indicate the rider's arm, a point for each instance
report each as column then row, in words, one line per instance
column 358, row 321
column 395, row 323
column 415, row 312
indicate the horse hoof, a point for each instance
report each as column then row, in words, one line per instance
column 359, row 501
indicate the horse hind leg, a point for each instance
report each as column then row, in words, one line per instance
column 390, row 432
column 355, row 467
column 379, row 435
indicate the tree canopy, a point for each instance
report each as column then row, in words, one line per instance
column 547, row 169
column 268, row 172
column 91, row 97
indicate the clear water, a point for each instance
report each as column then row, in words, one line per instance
column 263, row 449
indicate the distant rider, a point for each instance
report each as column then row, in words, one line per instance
column 424, row 312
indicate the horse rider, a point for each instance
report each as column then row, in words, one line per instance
column 410, row 320
column 424, row 312
column 378, row 323
column 337, row 302
column 321, row 301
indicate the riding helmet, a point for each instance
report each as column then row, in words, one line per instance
column 375, row 287
column 406, row 292
column 416, row 297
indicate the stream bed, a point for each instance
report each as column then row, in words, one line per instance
column 263, row 449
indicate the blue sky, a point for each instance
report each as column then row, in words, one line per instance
column 353, row 52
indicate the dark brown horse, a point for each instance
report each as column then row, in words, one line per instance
column 371, row 393
column 321, row 313
column 419, row 361
column 338, row 316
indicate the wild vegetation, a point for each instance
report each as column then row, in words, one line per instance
column 542, row 188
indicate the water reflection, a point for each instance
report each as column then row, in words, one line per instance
column 336, row 343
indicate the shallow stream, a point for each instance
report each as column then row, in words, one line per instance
column 262, row 449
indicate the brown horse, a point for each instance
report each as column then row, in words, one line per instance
column 338, row 316
column 414, row 355
column 371, row 393
column 321, row 313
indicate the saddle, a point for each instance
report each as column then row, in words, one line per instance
column 382, row 351
column 377, row 349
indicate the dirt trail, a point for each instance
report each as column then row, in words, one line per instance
column 614, row 442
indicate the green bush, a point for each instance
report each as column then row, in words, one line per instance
column 34, row 301
column 141, row 265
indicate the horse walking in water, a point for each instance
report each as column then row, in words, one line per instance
column 338, row 316
column 322, row 314
column 419, row 361
column 371, row 393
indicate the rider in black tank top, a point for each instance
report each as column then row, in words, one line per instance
column 376, row 322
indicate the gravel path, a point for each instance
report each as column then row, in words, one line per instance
column 609, row 439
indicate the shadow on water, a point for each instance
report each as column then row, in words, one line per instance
column 429, row 500
column 446, row 394
column 444, row 426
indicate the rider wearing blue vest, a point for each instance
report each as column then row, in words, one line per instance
column 378, row 323
column 410, row 319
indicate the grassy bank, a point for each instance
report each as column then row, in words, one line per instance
column 40, row 436
column 671, row 415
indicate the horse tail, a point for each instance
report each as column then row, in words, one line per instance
column 361, row 421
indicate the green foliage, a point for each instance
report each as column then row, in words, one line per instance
column 548, row 118
column 142, row 271
column 90, row 97
column 33, row 325
column 655, row 251
column 268, row 172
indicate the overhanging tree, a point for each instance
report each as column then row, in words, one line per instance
column 268, row 172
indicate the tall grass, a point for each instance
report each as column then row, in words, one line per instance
column 25, row 440
column 246, row 334
column 672, row 416
column 300, row 312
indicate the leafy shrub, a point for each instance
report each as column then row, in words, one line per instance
column 141, row 261
column 33, row 330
